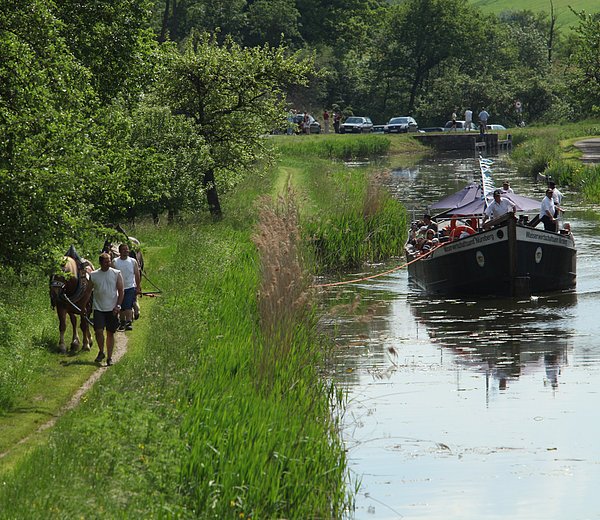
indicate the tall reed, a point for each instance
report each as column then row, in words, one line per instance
column 283, row 295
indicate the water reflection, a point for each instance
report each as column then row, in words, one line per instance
column 501, row 338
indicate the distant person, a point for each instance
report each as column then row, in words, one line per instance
column 306, row 124
column 483, row 120
column 506, row 188
column 498, row 207
column 337, row 121
column 547, row 212
column 108, row 297
column 454, row 117
column 468, row 119
column 326, row 120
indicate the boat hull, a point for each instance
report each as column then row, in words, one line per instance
column 508, row 260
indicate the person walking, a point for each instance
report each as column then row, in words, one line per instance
column 453, row 117
column 130, row 272
column 108, row 298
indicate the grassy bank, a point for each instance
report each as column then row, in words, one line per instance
column 550, row 151
column 219, row 409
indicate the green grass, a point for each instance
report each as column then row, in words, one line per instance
column 550, row 151
column 566, row 19
column 219, row 408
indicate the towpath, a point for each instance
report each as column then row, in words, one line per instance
column 591, row 150
column 120, row 349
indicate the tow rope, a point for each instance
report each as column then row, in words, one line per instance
column 421, row 257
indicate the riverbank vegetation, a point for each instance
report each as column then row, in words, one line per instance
column 220, row 408
column 551, row 151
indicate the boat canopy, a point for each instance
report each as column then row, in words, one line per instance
column 468, row 194
column 477, row 207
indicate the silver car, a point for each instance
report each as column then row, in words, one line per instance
column 357, row 125
column 401, row 125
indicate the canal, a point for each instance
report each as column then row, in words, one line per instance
column 474, row 408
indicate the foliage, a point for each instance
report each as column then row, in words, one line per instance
column 227, row 90
column 112, row 39
column 585, row 80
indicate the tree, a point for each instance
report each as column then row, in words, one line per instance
column 273, row 22
column 43, row 93
column 234, row 96
column 585, row 78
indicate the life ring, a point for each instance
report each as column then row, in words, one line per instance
column 458, row 230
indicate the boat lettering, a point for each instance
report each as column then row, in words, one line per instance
column 473, row 240
column 544, row 237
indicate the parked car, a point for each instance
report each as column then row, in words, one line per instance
column 356, row 125
column 315, row 126
column 401, row 125
column 460, row 125
column 495, row 128
column 378, row 129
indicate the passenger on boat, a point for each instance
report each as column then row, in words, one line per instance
column 556, row 197
column 428, row 242
column 506, row 188
column 497, row 208
column 547, row 212
column 429, row 223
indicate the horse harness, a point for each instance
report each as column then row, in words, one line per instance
column 83, row 282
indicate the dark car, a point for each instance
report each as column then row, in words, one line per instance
column 315, row 126
column 356, row 125
column 401, row 125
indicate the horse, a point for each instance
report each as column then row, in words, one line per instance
column 70, row 293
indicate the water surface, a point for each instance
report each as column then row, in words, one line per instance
column 478, row 408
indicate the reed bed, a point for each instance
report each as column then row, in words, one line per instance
column 342, row 147
column 360, row 223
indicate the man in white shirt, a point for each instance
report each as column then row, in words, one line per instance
column 556, row 198
column 547, row 212
column 506, row 188
column 468, row 119
column 498, row 207
column 130, row 272
column 108, row 297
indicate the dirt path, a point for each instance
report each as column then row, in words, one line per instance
column 590, row 149
column 119, row 350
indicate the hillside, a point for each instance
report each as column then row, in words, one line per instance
column 561, row 7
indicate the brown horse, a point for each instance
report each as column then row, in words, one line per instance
column 71, row 293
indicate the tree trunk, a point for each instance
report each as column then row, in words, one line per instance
column 165, row 22
column 552, row 29
column 212, row 196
